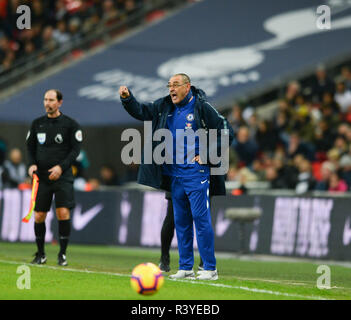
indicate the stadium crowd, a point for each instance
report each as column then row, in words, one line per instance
column 306, row 145
column 54, row 24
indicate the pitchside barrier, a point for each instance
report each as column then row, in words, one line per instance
column 259, row 223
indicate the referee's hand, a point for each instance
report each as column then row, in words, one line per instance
column 55, row 173
column 32, row 169
column 124, row 92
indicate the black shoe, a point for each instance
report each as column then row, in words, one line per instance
column 164, row 267
column 61, row 260
column 39, row 258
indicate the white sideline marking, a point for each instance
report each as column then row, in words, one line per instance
column 277, row 293
column 220, row 285
column 65, row 268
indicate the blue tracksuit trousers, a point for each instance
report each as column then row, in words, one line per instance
column 191, row 203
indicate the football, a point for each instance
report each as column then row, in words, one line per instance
column 146, row 278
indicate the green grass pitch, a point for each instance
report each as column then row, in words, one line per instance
column 103, row 272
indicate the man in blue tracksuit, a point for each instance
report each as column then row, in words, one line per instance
column 185, row 108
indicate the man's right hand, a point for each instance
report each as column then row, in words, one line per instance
column 124, row 92
column 31, row 170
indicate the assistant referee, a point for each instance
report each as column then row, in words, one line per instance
column 53, row 143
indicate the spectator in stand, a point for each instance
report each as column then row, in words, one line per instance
column 323, row 138
column 251, row 120
column 336, row 183
column 292, row 91
column 258, row 169
column 321, row 84
column 341, row 145
column 343, row 96
column 49, row 42
column 327, row 169
column 345, row 169
column 74, row 26
column 235, row 118
column 108, row 176
column 296, row 146
column 332, row 118
column 8, row 61
column 16, row 168
column 109, row 12
column 120, row 5
column 7, row 56
column 302, row 124
column 60, row 34
column 246, row 175
column 232, row 174
column 266, row 138
column 281, row 127
column 346, row 76
column 83, row 16
column 333, row 155
column 130, row 9
column 266, row 159
column 92, row 23
column 347, row 134
column 39, row 13
column 329, row 101
column 343, row 129
column 305, row 181
column 302, row 106
column 285, row 107
column 4, row 46
column 9, row 23
column 273, row 178
column 287, row 174
column 93, row 184
column 245, row 147
column 32, row 35
column 29, row 49
column 61, row 12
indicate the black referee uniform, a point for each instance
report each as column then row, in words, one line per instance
column 52, row 142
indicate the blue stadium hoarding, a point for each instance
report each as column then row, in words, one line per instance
column 227, row 47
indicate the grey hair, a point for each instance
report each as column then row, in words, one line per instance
column 185, row 77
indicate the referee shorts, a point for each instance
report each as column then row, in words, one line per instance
column 63, row 191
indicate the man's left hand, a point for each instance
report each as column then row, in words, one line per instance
column 55, row 173
column 197, row 159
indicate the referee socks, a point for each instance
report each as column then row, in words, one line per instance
column 39, row 231
column 64, row 229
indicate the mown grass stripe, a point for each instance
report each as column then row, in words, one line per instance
column 211, row 284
